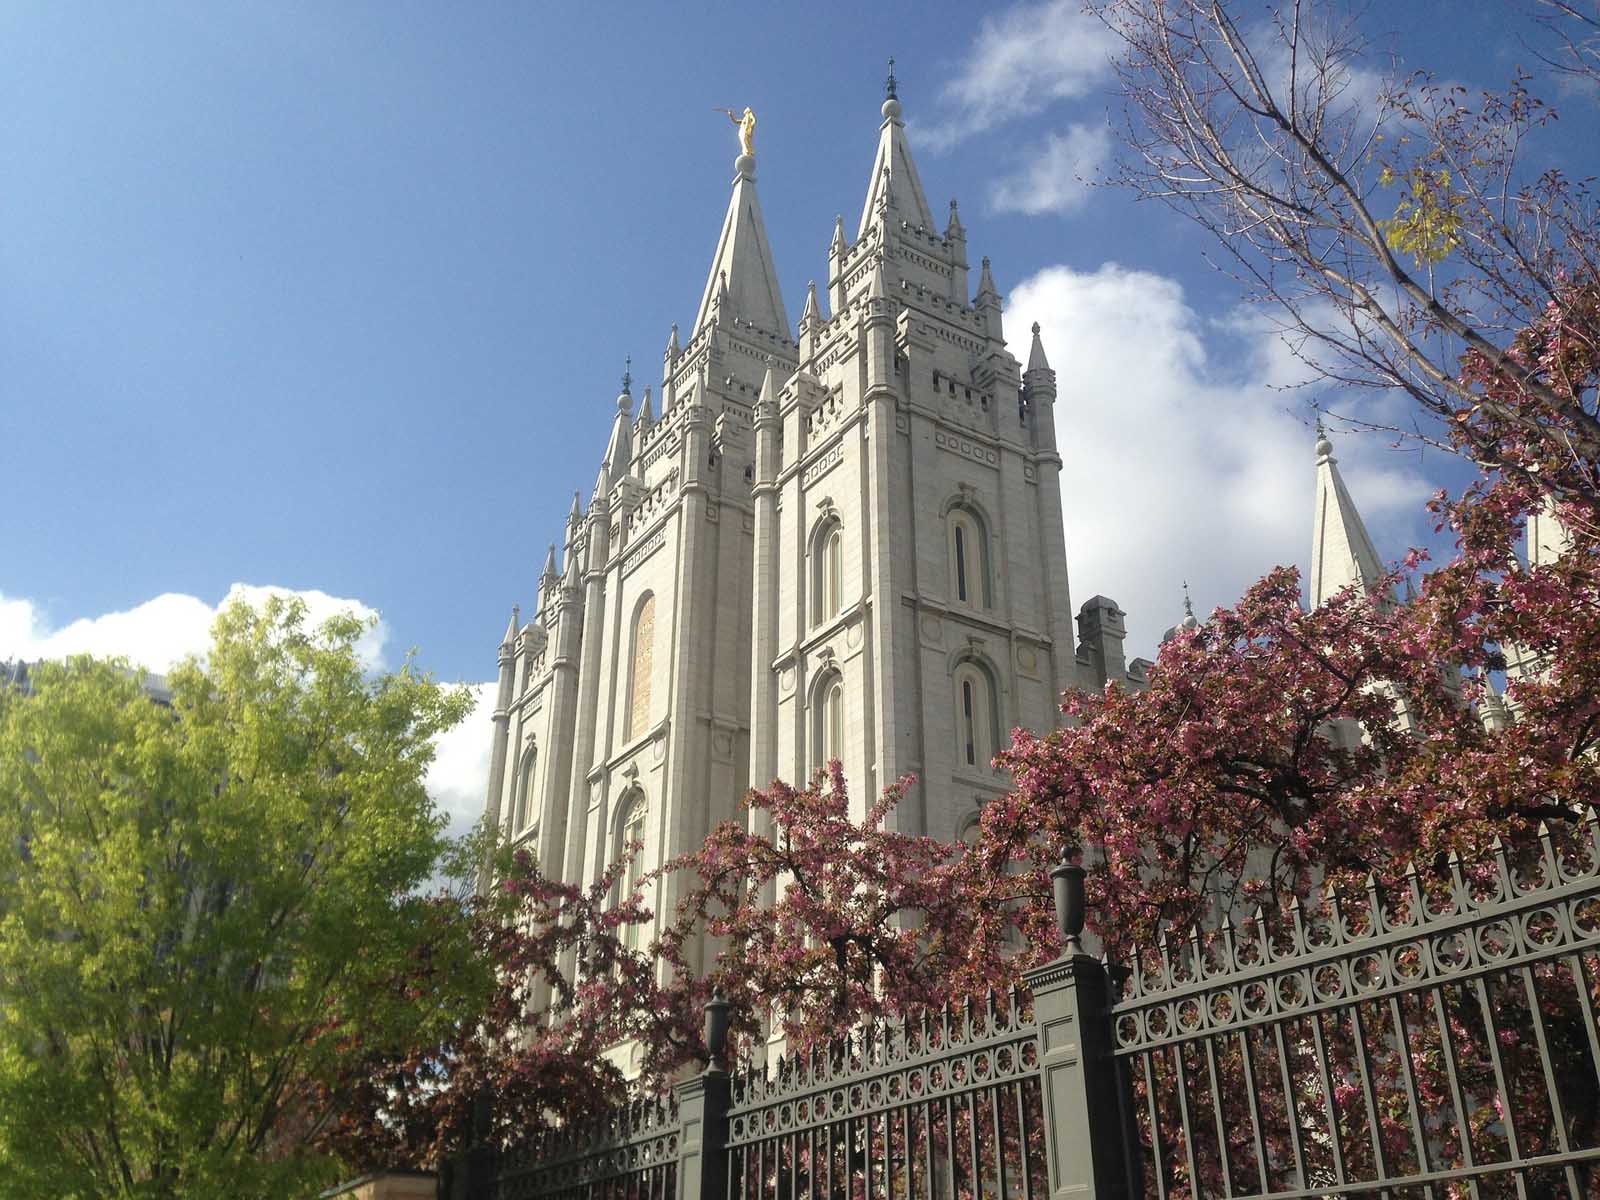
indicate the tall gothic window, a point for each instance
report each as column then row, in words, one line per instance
column 828, row 737
column 977, row 721
column 827, row 593
column 524, row 788
column 969, row 559
column 833, row 572
column 641, row 668
column 630, row 829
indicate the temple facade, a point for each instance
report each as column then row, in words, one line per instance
column 836, row 540
column 841, row 539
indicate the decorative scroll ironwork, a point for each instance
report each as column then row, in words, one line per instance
column 889, row 1062
column 1438, row 1037
column 947, row 1103
column 628, row 1154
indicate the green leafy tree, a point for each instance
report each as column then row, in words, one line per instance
column 212, row 909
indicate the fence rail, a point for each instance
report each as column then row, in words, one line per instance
column 1437, row 1039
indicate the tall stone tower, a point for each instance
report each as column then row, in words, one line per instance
column 844, row 542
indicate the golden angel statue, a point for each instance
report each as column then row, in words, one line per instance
column 747, row 127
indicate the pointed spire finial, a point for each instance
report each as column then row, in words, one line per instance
column 889, row 83
column 893, row 185
column 1188, row 604
column 813, row 309
column 769, row 384
column 576, row 514
column 1036, row 357
column 878, row 285
column 672, row 342
column 1342, row 552
column 986, row 287
column 838, row 242
column 550, row 562
column 625, row 397
column 1324, row 446
column 513, row 627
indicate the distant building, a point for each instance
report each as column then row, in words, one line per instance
column 17, row 675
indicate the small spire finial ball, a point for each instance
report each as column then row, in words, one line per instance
column 1036, row 329
column 625, row 400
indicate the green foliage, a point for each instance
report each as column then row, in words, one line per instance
column 1427, row 223
column 213, row 910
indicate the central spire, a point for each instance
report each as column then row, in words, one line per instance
column 894, row 182
column 743, row 283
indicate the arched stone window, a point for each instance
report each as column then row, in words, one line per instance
column 977, row 715
column 827, row 739
column 630, row 829
column 970, row 582
column 971, row 831
column 641, row 667
column 521, row 815
column 827, row 560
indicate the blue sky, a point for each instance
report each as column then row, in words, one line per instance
column 335, row 297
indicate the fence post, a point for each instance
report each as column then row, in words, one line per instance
column 1084, row 1144
column 470, row 1175
column 703, row 1115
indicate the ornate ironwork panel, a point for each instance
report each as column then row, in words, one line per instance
column 944, row 1104
column 1436, row 1037
column 629, row 1154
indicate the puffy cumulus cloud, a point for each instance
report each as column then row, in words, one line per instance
column 459, row 775
column 158, row 633
column 1182, row 458
column 1023, row 59
column 1056, row 178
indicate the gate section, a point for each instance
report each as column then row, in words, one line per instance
column 944, row 1105
column 630, row 1154
column 1435, row 1040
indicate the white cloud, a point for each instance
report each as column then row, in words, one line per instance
column 158, row 633
column 1180, row 459
column 1023, row 60
column 1056, row 178
column 459, row 776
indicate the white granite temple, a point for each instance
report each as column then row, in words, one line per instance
column 842, row 540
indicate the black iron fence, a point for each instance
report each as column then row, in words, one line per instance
column 1436, row 1041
